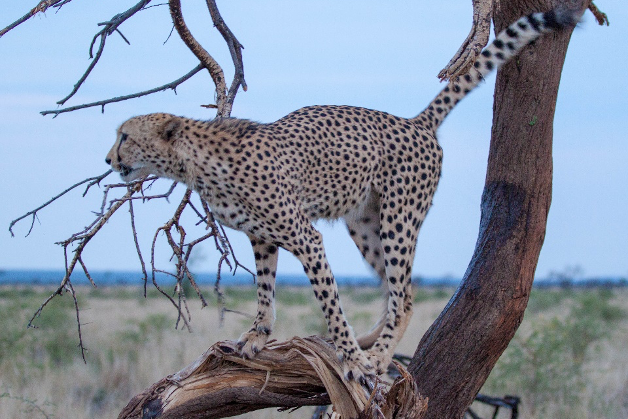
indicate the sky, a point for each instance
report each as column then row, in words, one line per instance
column 378, row 55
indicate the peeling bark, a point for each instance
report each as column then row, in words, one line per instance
column 300, row 372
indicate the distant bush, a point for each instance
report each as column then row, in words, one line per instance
column 546, row 365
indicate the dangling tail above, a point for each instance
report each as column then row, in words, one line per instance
column 507, row 44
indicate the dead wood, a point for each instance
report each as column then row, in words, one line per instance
column 285, row 375
column 477, row 39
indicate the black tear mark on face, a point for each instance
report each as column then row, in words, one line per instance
column 123, row 138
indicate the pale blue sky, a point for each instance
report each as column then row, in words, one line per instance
column 380, row 55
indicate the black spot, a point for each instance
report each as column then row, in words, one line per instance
column 512, row 33
column 534, row 23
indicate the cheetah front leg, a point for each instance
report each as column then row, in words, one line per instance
column 356, row 365
column 253, row 341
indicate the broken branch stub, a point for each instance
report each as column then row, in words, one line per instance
column 285, row 375
column 477, row 39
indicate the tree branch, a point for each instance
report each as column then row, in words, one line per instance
column 92, row 181
column 475, row 42
column 207, row 61
column 288, row 375
column 110, row 27
column 600, row 16
column 457, row 353
column 41, row 7
column 235, row 48
column 172, row 85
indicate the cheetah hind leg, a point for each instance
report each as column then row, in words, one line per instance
column 252, row 342
column 365, row 233
column 364, row 229
column 399, row 251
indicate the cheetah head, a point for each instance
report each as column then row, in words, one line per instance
column 144, row 146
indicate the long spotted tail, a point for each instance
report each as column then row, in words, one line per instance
column 506, row 45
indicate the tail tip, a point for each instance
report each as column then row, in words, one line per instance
column 562, row 18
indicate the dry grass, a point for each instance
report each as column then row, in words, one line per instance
column 132, row 343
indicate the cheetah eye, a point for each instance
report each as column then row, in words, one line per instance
column 123, row 137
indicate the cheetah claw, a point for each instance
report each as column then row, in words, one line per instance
column 359, row 369
column 252, row 342
column 380, row 362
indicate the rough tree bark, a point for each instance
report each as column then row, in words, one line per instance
column 458, row 352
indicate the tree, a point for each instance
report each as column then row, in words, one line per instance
column 488, row 307
column 457, row 353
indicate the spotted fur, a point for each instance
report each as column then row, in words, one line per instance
column 376, row 171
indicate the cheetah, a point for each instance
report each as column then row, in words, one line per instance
column 375, row 171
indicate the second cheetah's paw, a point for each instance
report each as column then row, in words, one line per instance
column 252, row 342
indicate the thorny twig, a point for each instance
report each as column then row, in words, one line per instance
column 137, row 246
column 83, row 238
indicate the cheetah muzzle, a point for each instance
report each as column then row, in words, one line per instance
column 376, row 171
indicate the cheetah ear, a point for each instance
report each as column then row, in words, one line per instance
column 169, row 128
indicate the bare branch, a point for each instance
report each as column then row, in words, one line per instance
column 70, row 288
column 41, row 7
column 173, row 230
column 109, row 28
column 235, row 48
column 600, row 16
column 172, row 85
column 92, row 181
column 137, row 246
column 203, row 56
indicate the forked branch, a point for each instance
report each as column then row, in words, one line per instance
column 235, row 49
column 33, row 213
column 207, row 61
column 109, row 28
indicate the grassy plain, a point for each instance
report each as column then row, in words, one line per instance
column 568, row 360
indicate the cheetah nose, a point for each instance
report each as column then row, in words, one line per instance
column 108, row 160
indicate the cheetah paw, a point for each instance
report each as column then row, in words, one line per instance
column 252, row 342
column 380, row 361
column 358, row 368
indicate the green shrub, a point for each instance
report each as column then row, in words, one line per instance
column 547, row 364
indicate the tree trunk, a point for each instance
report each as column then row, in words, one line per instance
column 458, row 352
